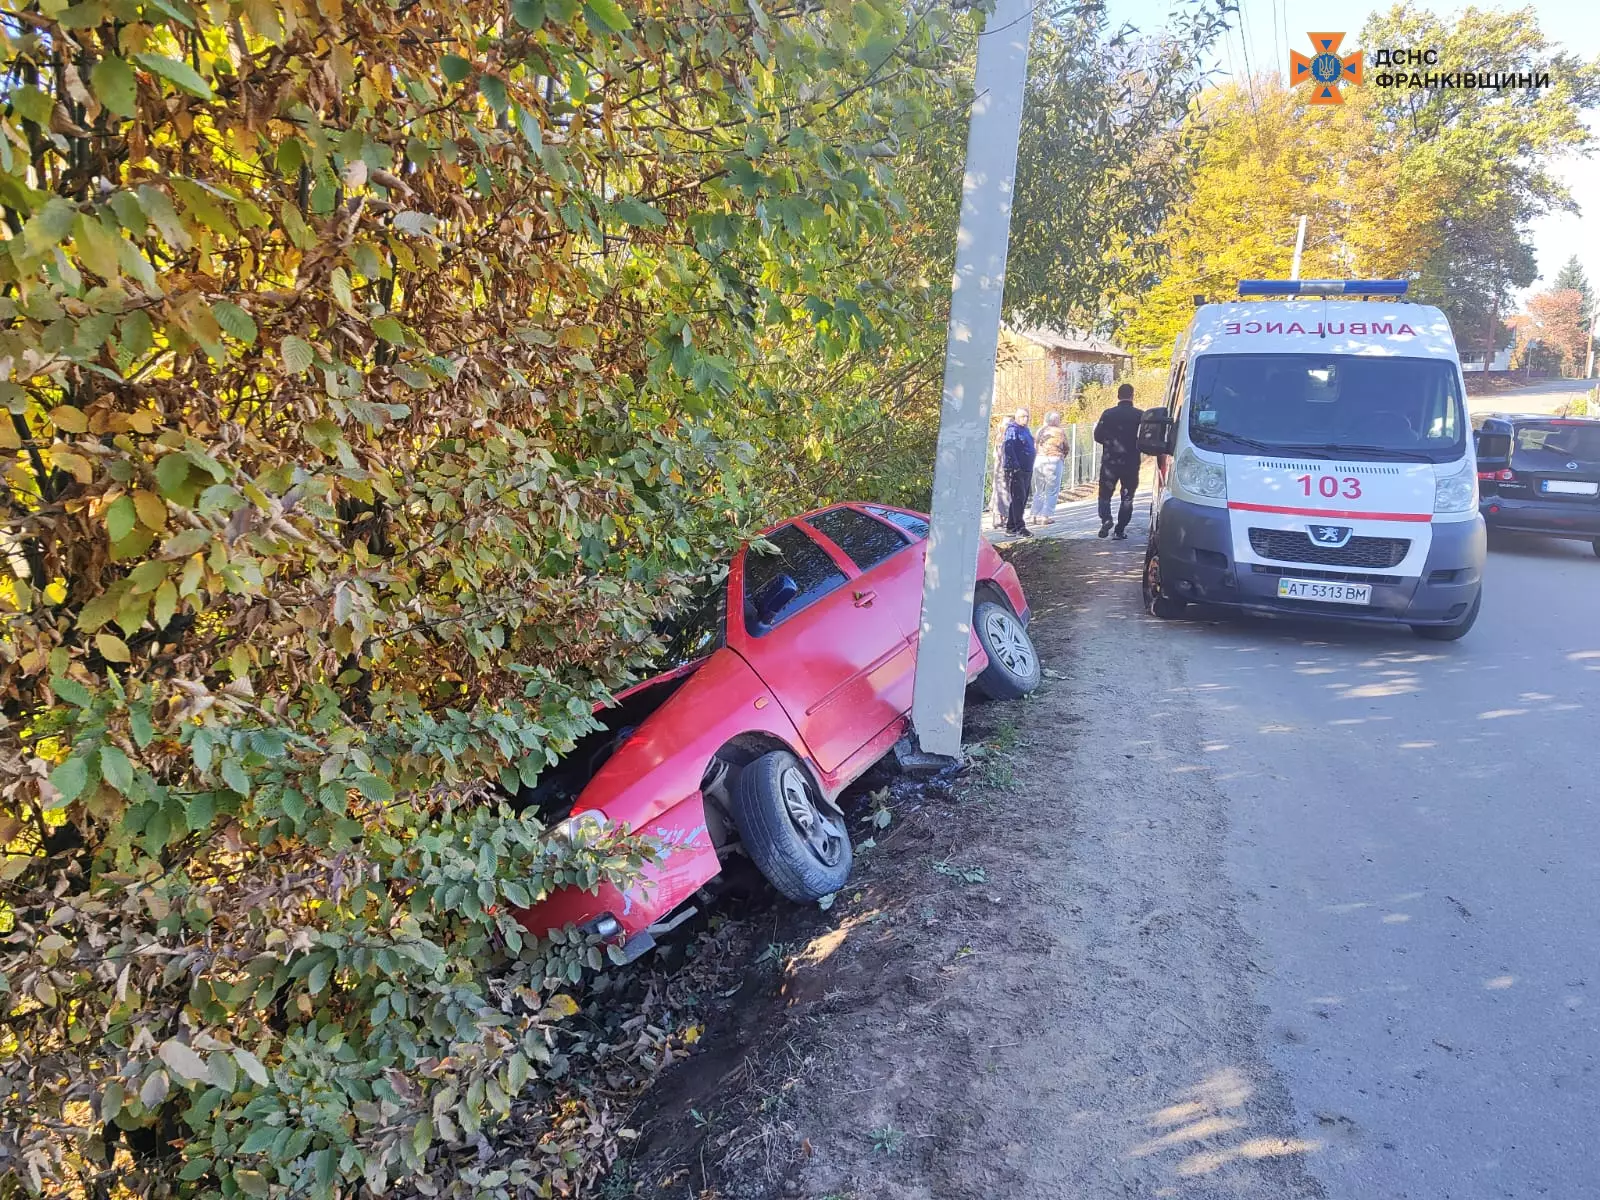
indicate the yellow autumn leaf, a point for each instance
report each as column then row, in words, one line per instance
column 69, row 419
column 691, row 1035
column 560, row 1005
column 152, row 509
column 112, row 648
column 74, row 464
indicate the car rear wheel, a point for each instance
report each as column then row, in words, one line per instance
column 1013, row 669
column 1449, row 633
column 799, row 843
column 1156, row 601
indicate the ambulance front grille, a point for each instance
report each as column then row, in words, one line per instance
column 1287, row 545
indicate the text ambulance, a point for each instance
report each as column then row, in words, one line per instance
column 1317, row 460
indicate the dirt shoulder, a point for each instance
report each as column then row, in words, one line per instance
column 1037, row 985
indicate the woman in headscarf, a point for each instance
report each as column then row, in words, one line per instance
column 1052, row 457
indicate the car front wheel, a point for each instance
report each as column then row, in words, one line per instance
column 1013, row 669
column 1156, row 601
column 799, row 843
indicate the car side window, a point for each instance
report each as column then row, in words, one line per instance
column 916, row 526
column 800, row 558
column 867, row 542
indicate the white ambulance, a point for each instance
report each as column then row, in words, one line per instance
column 1316, row 459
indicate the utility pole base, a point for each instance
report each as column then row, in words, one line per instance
column 918, row 763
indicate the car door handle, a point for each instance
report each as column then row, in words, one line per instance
column 865, row 599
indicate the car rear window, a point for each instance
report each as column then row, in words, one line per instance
column 916, row 526
column 1557, row 441
column 866, row 541
column 799, row 557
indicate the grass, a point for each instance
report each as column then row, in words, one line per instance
column 886, row 1139
column 972, row 874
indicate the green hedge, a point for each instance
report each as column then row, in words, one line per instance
column 377, row 374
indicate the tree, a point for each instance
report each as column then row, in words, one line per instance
column 1483, row 153
column 1572, row 279
column 1556, row 321
column 1104, row 153
column 1436, row 186
column 376, row 374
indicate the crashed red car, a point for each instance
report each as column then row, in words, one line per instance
column 785, row 683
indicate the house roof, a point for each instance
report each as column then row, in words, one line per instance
column 1071, row 341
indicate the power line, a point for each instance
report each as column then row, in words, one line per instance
column 1244, row 44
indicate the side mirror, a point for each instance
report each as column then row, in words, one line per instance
column 1157, row 432
column 773, row 598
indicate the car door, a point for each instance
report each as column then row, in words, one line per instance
column 821, row 654
column 889, row 584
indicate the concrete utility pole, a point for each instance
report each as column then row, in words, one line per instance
column 971, row 343
column 1299, row 248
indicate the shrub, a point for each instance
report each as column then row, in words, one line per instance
column 377, row 374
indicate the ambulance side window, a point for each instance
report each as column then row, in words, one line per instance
column 1175, row 394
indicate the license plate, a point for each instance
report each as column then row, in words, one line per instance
column 1328, row 593
column 1570, row 487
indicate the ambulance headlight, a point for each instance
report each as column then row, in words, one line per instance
column 1455, row 489
column 1199, row 477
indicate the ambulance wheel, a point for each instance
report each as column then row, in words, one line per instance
column 1449, row 633
column 1156, row 601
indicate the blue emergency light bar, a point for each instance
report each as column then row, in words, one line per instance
column 1322, row 287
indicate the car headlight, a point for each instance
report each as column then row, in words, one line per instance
column 1199, row 477
column 583, row 828
column 1457, row 491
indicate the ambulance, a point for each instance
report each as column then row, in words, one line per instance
column 1314, row 458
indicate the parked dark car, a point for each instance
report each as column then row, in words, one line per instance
column 1540, row 474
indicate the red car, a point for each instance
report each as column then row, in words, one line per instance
column 786, row 682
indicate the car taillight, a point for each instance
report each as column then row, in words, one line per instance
column 1505, row 473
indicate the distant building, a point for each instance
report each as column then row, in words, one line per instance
column 1042, row 369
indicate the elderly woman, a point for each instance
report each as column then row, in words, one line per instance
column 1052, row 456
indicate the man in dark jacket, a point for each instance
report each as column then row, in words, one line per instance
column 1017, row 454
column 1118, row 431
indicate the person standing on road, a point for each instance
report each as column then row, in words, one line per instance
column 1052, row 447
column 1118, row 431
column 1018, row 451
column 999, row 499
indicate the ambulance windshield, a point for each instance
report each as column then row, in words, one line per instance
column 1328, row 405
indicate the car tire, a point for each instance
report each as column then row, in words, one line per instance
column 798, row 842
column 1156, row 602
column 1449, row 633
column 1013, row 669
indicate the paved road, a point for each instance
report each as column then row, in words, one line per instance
column 1414, row 845
column 1415, row 841
column 1542, row 396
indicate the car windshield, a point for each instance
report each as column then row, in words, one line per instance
column 1556, row 443
column 698, row 627
column 1328, row 404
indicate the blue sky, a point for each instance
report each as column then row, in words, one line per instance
column 1265, row 24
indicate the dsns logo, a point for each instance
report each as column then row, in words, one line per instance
column 1325, row 70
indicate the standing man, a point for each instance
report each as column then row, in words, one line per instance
column 1018, row 455
column 1118, row 431
column 1052, row 446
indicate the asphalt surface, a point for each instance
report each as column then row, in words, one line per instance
column 1413, row 847
column 1541, row 396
